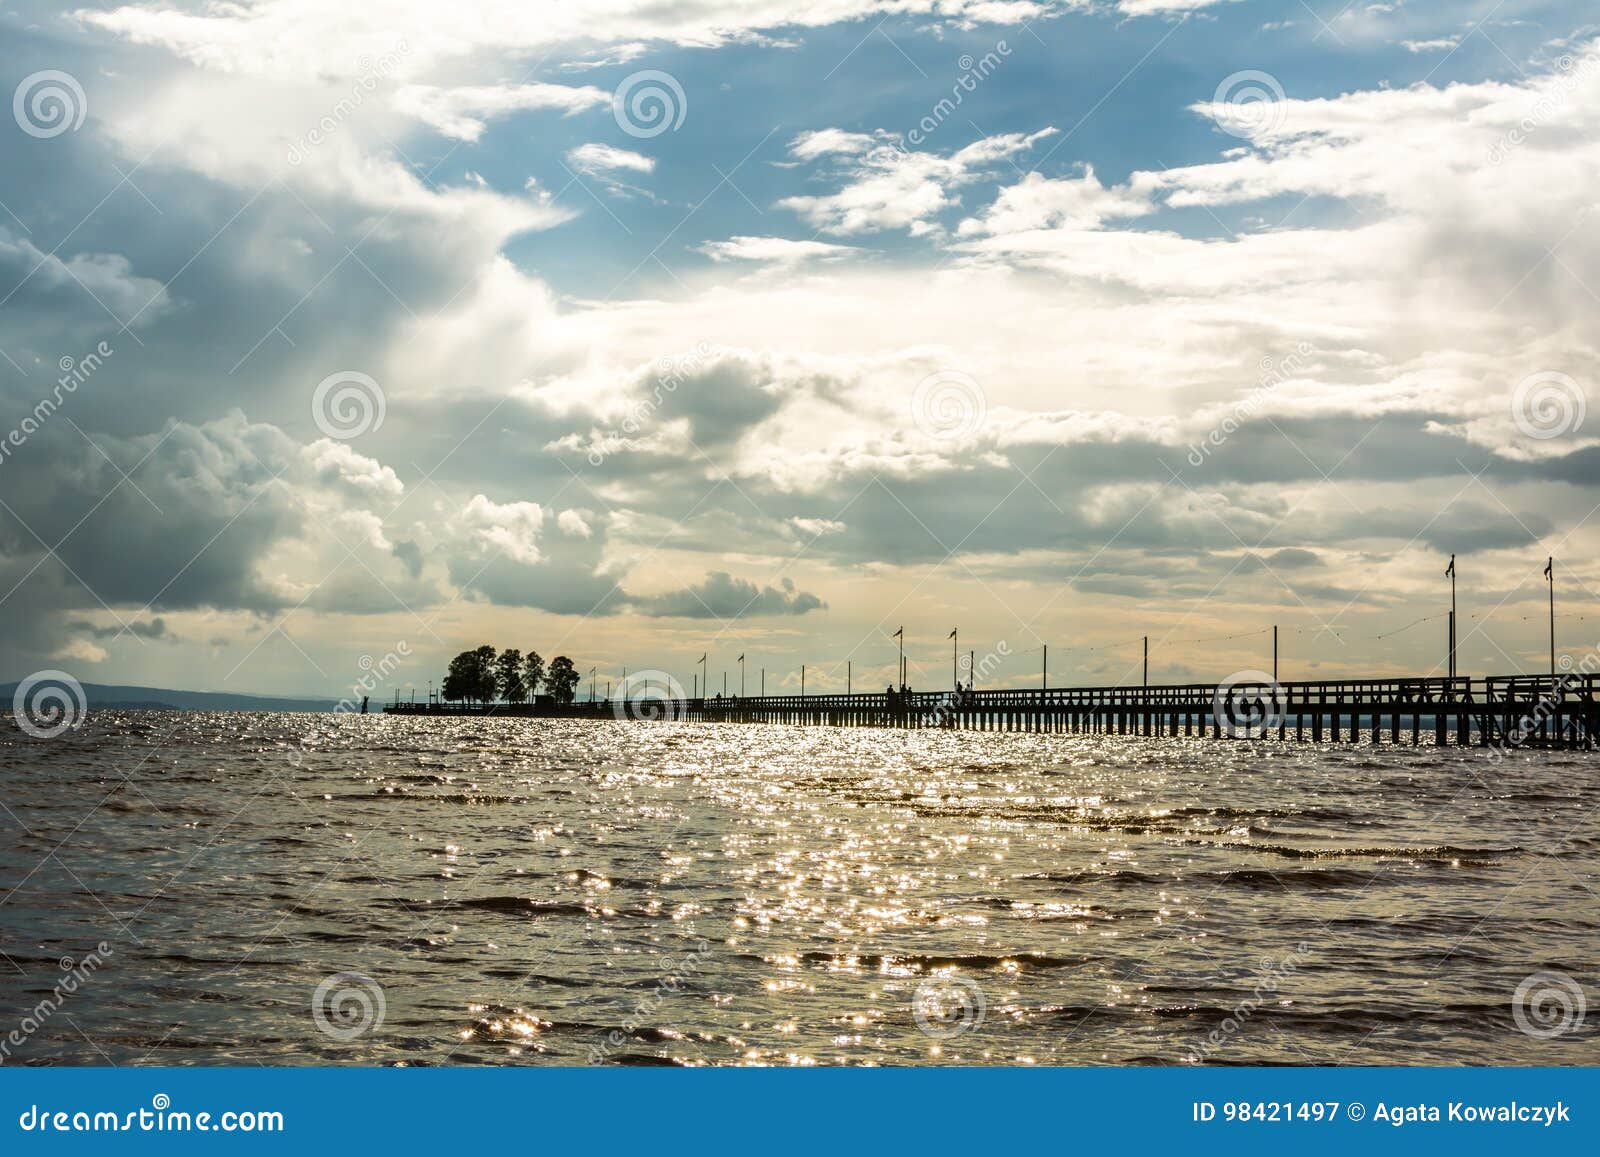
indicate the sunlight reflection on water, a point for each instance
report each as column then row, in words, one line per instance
column 522, row 891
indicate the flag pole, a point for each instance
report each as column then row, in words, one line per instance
column 1451, row 571
column 1550, row 573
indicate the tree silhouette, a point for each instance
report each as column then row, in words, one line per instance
column 471, row 676
column 458, row 678
column 562, row 679
column 508, row 676
column 532, row 672
column 487, row 683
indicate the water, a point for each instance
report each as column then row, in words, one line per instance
column 556, row 892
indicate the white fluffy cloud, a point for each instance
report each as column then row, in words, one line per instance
column 509, row 528
column 598, row 158
column 461, row 112
column 889, row 187
column 776, row 250
column 306, row 38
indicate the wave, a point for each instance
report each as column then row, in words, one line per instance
column 1312, row 879
column 912, row 963
column 1432, row 854
column 459, row 799
column 518, row 906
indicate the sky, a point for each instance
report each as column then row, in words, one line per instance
column 336, row 337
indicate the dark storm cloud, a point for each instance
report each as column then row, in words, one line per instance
column 722, row 596
column 1293, row 558
column 723, row 402
column 563, row 587
column 155, row 628
column 171, row 521
column 410, row 556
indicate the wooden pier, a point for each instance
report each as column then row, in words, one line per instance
column 1505, row 712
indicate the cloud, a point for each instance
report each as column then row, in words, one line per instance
column 887, row 187
column 814, row 143
column 1441, row 44
column 597, row 158
column 1038, row 202
column 88, row 284
column 462, row 113
column 1166, row 7
column 554, row 448
column 301, row 38
column 512, row 529
column 721, row 596
column 776, row 250
column 572, row 522
column 338, row 463
column 155, row 628
column 607, row 164
column 83, row 651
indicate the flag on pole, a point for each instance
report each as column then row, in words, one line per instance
column 1451, row 569
column 951, row 635
column 740, row 659
column 1547, row 566
column 899, row 634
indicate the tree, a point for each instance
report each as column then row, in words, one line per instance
column 458, row 680
column 470, row 676
column 562, row 679
column 508, row 676
column 532, row 672
column 487, row 683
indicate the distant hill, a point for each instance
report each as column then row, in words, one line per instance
column 109, row 696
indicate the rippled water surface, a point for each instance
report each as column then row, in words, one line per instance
column 555, row 892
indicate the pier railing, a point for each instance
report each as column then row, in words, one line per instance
column 1307, row 693
column 1497, row 710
